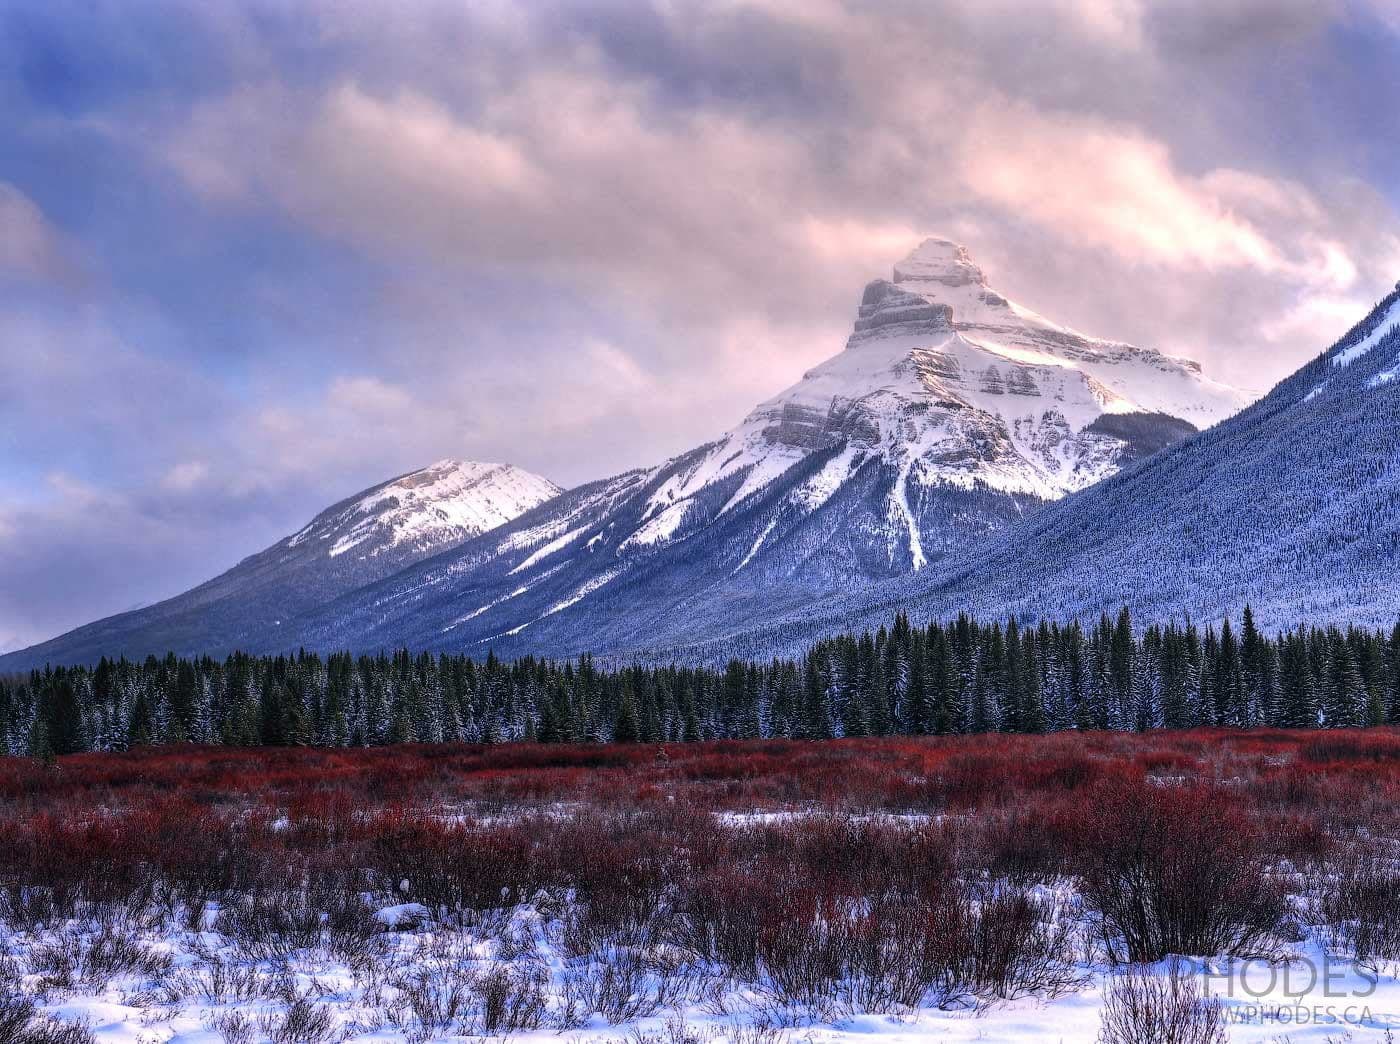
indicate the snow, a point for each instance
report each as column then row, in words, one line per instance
column 613, row 490
column 1314, row 997
column 891, row 372
column 1155, row 382
column 922, row 390
column 444, row 503
column 822, row 486
column 758, row 543
column 1385, row 326
column 1385, row 376
column 583, row 592
column 659, row 528
column 741, row 450
column 901, row 502
column 403, row 913
column 766, row 469
column 944, row 385
column 545, row 550
column 489, row 605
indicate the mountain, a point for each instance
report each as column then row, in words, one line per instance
column 418, row 514
column 362, row 539
column 951, row 413
column 1292, row 506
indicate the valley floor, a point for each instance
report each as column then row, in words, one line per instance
column 995, row 888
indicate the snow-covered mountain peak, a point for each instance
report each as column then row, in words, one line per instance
column 354, row 544
column 437, row 506
column 949, row 383
column 953, row 413
column 941, row 261
column 938, row 287
column 945, row 385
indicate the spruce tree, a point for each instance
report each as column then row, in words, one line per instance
column 62, row 720
column 1228, row 687
column 1393, row 676
column 1298, row 692
column 626, row 728
column 1347, row 697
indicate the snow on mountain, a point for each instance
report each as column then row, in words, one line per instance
column 1146, row 379
column 953, row 384
column 427, row 510
column 950, row 414
column 1382, row 325
column 357, row 541
column 1291, row 506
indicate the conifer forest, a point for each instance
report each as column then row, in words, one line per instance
column 960, row 676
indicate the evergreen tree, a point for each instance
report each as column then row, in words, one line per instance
column 1298, row 693
column 62, row 731
column 1347, row 696
column 625, row 726
column 1228, row 686
column 1393, row 677
column 962, row 675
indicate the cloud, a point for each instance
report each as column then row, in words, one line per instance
column 566, row 177
column 76, row 386
column 1386, row 12
column 1114, row 190
column 83, row 551
column 1118, row 24
column 336, row 244
column 585, row 178
column 185, row 476
column 369, row 397
column 29, row 245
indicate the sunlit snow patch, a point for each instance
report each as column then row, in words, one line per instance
column 1388, row 324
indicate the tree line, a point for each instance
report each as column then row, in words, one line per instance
column 958, row 676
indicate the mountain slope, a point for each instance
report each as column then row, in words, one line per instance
column 1292, row 506
column 424, row 511
column 951, row 413
column 360, row 540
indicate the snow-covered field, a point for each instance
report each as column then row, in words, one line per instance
column 950, row 889
column 140, row 983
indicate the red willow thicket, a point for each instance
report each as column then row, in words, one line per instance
column 761, row 857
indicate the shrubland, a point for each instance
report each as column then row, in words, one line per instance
column 486, row 890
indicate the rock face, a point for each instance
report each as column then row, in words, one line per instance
column 360, row 540
column 1291, row 506
column 954, row 385
column 951, row 413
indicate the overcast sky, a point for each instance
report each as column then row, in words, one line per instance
column 257, row 256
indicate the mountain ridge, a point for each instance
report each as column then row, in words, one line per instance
column 951, row 413
column 1274, row 507
column 357, row 540
column 940, row 422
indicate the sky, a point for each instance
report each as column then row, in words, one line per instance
column 255, row 257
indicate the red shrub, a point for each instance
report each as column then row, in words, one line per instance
column 451, row 867
column 1176, row 870
column 1178, row 863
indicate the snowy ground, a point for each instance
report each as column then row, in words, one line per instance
column 214, row 991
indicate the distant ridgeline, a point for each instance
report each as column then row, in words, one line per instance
column 960, row 676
